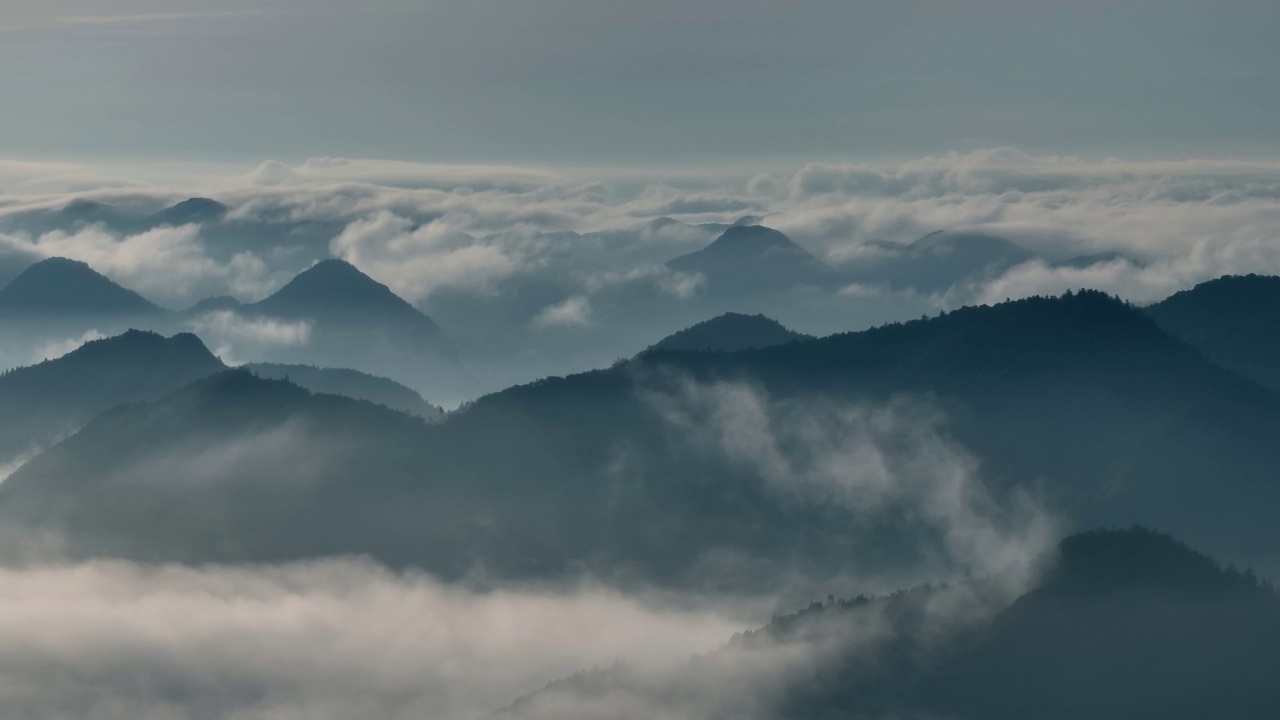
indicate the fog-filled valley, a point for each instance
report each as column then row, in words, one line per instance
column 367, row 439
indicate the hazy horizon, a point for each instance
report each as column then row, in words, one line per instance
column 620, row 84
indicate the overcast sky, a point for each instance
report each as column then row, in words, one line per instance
column 596, row 82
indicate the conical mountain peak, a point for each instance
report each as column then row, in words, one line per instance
column 751, row 258
column 60, row 286
column 331, row 283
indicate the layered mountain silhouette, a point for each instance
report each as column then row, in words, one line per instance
column 730, row 332
column 352, row 384
column 58, row 288
column 1080, row 400
column 238, row 466
column 748, row 259
column 41, row 403
column 1234, row 320
column 1081, row 396
column 1129, row 625
column 352, row 321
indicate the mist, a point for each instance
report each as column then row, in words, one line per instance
column 692, row 360
column 535, row 271
column 327, row 639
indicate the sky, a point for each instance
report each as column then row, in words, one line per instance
column 666, row 83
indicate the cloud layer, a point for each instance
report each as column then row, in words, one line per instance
column 500, row 255
column 333, row 639
column 428, row 227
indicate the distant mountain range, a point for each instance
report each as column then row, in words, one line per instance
column 745, row 257
column 1081, row 399
column 749, row 259
column 1126, row 625
column 353, row 320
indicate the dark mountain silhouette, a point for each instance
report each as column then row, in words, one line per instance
column 60, row 288
column 239, row 468
column 1129, row 625
column 235, row 466
column 355, row 316
column 752, row 259
column 1080, row 399
column 197, row 210
column 352, row 384
column 1234, row 320
column 40, row 403
column 730, row 332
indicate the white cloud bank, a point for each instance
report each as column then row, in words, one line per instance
column 425, row 229
column 233, row 335
column 415, row 261
column 573, row 312
column 335, row 640
column 168, row 265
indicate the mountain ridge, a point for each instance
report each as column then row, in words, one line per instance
column 1078, row 400
column 729, row 332
column 1234, row 320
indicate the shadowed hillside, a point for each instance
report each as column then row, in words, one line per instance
column 40, row 403
column 1234, row 320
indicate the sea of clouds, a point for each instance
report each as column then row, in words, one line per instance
column 545, row 271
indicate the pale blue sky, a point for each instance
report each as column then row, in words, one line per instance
column 604, row 82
